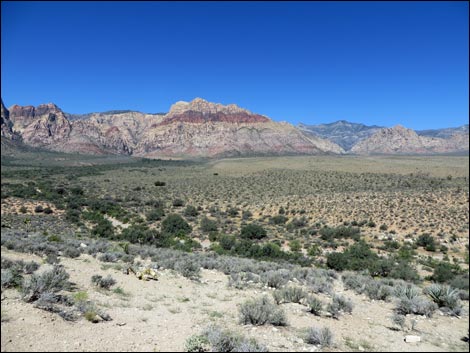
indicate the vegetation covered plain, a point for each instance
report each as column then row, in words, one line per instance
column 251, row 254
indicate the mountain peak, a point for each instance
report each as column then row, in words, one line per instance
column 200, row 110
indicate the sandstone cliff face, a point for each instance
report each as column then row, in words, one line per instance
column 401, row 140
column 49, row 127
column 6, row 123
column 196, row 128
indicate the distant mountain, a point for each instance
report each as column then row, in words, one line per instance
column 342, row 132
column 444, row 133
column 400, row 140
column 203, row 129
column 197, row 128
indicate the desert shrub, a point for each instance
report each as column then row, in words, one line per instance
column 253, row 231
column 103, row 229
column 221, row 340
column 105, row 283
column 242, row 280
column 410, row 301
column 72, row 252
column 29, row 267
column 108, row 257
column 51, row 281
column 159, row 183
column 445, row 272
column 405, row 271
column 297, row 223
column 227, row 242
column 188, row 268
column 155, row 214
column 11, row 278
column 444, row 296
column 418, row 305
column 276, row 279
column 295, row 246
column 233, row 212
column 39, row 209
column 289, row 295
column 460, row 281
column 315, row 306
column 246, row 215
column 178, row 203
column 48, row 210
column 140, row 234
column 341, row 232
column 174, row 224
column 339, row 305
column 262, row 311
column 279, row 219
column 91, row 312
column 399, row 320
column 54, row 238
column 319, row 336
column 23, row 209
column 190, row 211
column 318, row 282
column 208, row 225
column 377, row 290
column 426, row 241
column 55, row 303
column 197, row 343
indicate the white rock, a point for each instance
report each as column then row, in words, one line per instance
column 83, row 245
column 412, row 339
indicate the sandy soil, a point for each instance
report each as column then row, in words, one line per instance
column 160, row 315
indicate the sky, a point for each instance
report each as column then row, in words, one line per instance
column 382, row 63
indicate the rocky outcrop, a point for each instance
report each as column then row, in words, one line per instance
column 342, row 132
column 6, row 123
column 196, row 128
column 400, row 140
column 445, row 133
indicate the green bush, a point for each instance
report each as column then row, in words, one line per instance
column 279, row 219
column 341, row 232
column 190, row 211
column 155, row 214
column 103, row 229
column 178, row 203
column 227, row 242
column 426, row 241
column 208, row 225
column 174, row 224
column 445, row 272
column 253, row 231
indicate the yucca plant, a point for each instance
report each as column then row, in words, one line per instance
column 443, row 295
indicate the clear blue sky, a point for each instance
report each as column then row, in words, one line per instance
column 378, row 63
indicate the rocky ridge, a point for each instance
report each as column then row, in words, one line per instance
column 197, row 128
column 344, row 133
column 400, row 140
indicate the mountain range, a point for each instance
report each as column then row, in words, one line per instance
column 203, row 129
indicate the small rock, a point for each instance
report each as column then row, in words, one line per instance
column 83, row 245
column 361, row 348
column 121, row 324
column 412, row 339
